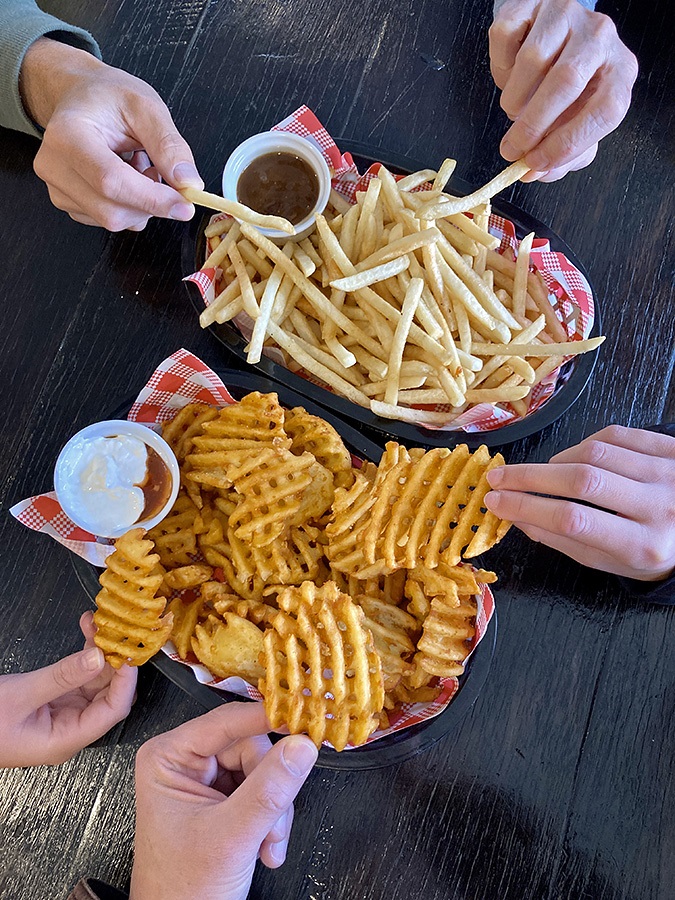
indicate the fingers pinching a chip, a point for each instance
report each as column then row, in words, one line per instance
column 323, row 676
column 130, row 627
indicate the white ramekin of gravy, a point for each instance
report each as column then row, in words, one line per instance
column 279, row 174
column 116, row 475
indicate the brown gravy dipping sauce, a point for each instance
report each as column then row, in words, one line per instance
column 279, row 184
column 156, row 486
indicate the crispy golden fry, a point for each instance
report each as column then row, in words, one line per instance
column 238, row 210
column 451, row 205
column 446, row 635
column 350, row 512
column 229, row 647
column 320, row 438
column 405, row 693
column 323, row 675
column 422, row 508
column 277, row 490
column 238, row 432
column 174, row 537
column 289, row 560
column 187, row 576
column 185, row 619
column 254, row 610
column 128, row 617
column 436, row 581
column 186, row 424
column 392, row 629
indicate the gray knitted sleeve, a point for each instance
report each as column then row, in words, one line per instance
column 22, row 23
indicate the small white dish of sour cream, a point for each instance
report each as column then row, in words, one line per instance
column 116, row 475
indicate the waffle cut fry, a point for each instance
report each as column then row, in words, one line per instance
column 392, row 629
column 432, row 509
column 320, row 438
column 352, row 510
column 276, row 490
column 128, row 618
column 229, row 646
column 174, row 537
column 239, row 431
column 186, row 424
column 323, row 675
column 178, row 434
column 446, row 633
column 422, row 508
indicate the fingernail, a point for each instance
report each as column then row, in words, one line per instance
column 508, row 151
column 495, row 476
column 537, row 161
column 93, row 659
column 278, row 852
column 186, row 175
column 491, row 500
column 299, row 754
column 182, row 211
column 532, row 175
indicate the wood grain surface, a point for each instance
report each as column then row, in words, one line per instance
column 560, row 783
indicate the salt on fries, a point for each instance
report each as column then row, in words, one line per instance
column 338, row 591
column 398, row 302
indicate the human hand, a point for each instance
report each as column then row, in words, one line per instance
column 92, row 114
column 211, row 796
column 566, row 81
column 51, row 713
column 629, row 473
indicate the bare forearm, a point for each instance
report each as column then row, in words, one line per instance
column 49, row 70
column 22, row 23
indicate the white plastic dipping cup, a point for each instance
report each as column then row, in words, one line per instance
column 279, row 142
column 63, row 473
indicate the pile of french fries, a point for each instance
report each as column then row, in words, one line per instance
column 397, row 302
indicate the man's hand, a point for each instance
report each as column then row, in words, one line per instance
column 103, row 127
column 211, row 797
column 51, row 713
column 628, row 473
column 566, row 82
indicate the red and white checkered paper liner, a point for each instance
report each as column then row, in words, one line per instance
column 569, row 292
column 180, row 379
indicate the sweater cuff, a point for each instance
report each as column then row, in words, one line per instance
column 662, row 592
column 21, row 24
column 93, row 889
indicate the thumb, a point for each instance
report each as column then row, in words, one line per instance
column 269, row 790
column 166, row 147
column 48, row 684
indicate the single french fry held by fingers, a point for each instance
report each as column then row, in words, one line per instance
column 238, row 210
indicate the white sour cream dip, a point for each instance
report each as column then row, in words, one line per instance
column 99, row 481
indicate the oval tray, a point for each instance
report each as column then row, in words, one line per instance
column 391, row 749
column 571, row 382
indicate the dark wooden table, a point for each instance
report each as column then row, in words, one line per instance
column 560, row 783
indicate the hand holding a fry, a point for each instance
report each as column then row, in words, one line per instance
column 566, row 81
column 108, row 139
column 51, row 713
column 629, row 477
column 212, row 796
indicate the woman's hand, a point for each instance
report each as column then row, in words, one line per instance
column 51, row 713
column 211, row 797
column 103, row 127
column 628, row 473
column 566, row 81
